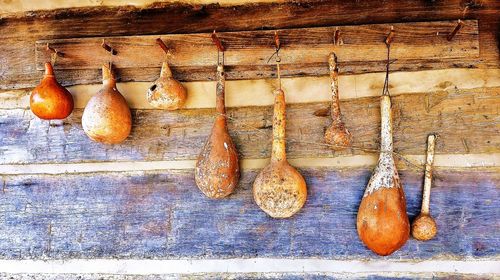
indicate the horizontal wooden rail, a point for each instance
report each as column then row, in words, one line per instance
column 304, row 51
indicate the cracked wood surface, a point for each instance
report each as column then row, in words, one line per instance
column 467, row 121
column 161, row 214
column 20, row 31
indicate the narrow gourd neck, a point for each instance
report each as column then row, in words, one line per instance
column 279, row 125
column 220, row 91
column 49, row 70
column 165, row 70
column 334, row 80
column 386, row 125
column 108, row 78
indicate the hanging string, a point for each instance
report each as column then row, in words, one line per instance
column 409, row 163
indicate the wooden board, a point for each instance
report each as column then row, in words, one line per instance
column 162, row 214
column 20, row 31
column 467, row 121
column 250, row 276
column 303, row 51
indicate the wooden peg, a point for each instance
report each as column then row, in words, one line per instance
column 455, row 30
column 108, row 48
column 336, row 37
column 277, row 42
column 217, row 42
column 390, row 37
column 164, row 47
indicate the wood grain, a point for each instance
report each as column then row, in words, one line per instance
column 162, row 214
column 466, row 121
column 304, row 51
column 20, row 31
column 250, row 276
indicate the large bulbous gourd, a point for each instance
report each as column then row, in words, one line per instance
column 279, row 189
column 217, row 169
column 382, row 222
column 166, row 92
column 107, row 117
column 49, row 100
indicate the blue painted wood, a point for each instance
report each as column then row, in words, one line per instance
column 163, row 215
column 163, row 135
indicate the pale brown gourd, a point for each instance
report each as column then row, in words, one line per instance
column 279, row 189
column 107, row 118
column 217, row 169
column 424, row 227
column 49, row 100
column 166, row 92
column 336, row 134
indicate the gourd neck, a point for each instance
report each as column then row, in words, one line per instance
column 49, row 70
column 220, row 91
column 386, row 145
column 334, row 80
column 108, row 78
column 279, row 124
column 166, row 72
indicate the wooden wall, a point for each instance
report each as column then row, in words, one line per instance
column 64, row 197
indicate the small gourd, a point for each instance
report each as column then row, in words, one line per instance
column 107, row 118
column 49, row 100
column 166, row 92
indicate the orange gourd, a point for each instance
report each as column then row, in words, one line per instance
column 166, row 92
column 49, row 100
column 217, row 169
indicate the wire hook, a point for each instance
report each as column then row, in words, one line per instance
column 53, row 54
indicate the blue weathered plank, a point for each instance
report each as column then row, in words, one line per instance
column 163, row 135
column 163, row 215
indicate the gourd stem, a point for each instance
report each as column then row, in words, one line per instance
column 428, row 174
column 108, row 77
column 386, row 144
column 334, row 77
column 279, row 123
column 220, row 90
column 49, row 70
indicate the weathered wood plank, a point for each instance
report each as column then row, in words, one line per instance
column 163, row 215
column 250, row 276
column 467, row 121
column 19, row 32
column 304, row 51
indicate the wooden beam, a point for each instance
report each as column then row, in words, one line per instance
column 464, row 120
column 303, row 51
column 20, row 31
column 162, row 214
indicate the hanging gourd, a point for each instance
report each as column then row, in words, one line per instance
column 382, row 222
column 336, row 134
column 217, row 169
column 424, row 227
column 279, row 189
column 166, row 92
column 107, row 118
column 49, row 100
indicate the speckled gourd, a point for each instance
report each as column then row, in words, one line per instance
column 49, row 100
column 382, row 222
column 279, row 189
column 106, row 117
column 336, row 134
column 166, row 92
column 217, row 169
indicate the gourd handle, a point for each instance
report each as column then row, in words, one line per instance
column 428, row 174
column 279, row 125
column 220, row 90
